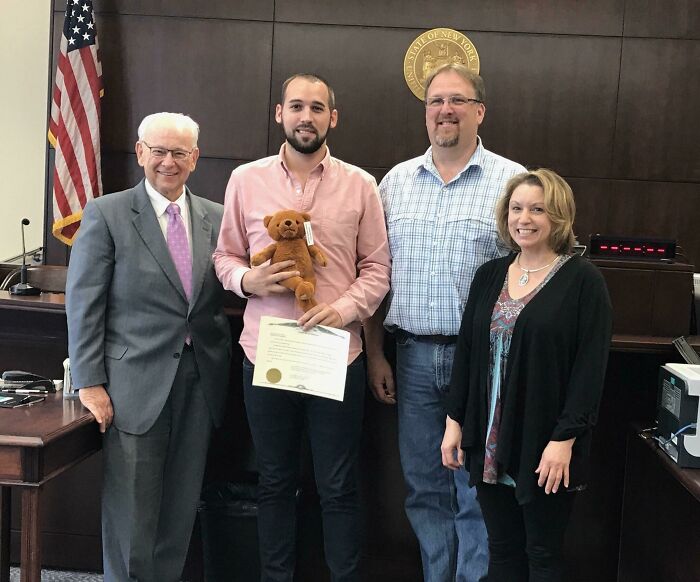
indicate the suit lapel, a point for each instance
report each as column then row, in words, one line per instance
column 201, row 245
column 147, row 226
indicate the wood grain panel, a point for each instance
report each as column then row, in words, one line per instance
column 593, row 200
column 639, row 208
column 662, row 18
column 550, row 100
column 10, row 463
column 658, row 116
column 214, row 70
column 597, row 17
column 225, row 9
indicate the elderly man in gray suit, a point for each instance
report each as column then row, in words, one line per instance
column 149, row 347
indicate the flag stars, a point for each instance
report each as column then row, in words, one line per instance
column 76, row 30
column 80, row 18
column 86, row 36
column 85, row 8
column 91, row 25
column 71, row 40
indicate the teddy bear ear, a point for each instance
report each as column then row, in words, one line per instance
column 306, row 216
column 267, row 220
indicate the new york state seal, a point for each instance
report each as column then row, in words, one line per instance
column 432, row 49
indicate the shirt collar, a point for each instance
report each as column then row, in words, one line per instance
column 160, row 203
column 324, row 164
column 477, row 159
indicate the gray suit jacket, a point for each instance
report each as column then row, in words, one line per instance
column 128, row 316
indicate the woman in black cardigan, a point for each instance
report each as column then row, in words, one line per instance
column 527, row 379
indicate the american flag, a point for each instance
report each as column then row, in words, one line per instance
column 74, row 128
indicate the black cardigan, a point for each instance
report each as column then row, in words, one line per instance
column 554, row 374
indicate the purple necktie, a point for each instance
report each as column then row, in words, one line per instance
column 179, row 247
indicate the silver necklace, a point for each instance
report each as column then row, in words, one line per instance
column 525, row 277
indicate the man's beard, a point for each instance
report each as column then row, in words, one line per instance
column 447, row 141
column 302, row 147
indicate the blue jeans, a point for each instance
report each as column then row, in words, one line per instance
column 277, row 420
column 441, row 507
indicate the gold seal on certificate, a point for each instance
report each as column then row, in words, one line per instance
column 273, row 375
column 432, row 49
column 312, row 362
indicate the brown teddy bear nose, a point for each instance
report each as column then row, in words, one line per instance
column 287, row 223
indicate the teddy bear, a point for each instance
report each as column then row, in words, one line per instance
column 286, row 227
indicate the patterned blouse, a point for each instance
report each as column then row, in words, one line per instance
column 505, row 313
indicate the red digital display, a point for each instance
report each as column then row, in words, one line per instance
column 632, row 247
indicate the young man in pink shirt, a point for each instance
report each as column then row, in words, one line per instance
column 348, row 224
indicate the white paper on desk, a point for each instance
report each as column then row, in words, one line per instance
column 311, row 362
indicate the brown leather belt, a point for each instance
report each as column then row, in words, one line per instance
column 433, row 339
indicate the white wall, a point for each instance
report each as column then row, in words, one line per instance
column 24, row 62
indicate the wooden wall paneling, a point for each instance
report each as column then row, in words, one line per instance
column 550, row 100
column 380, row 121
column 638, row 211
column 662, row 19
column 688, row 203
column 215, row 70
column 655, row 209
column 378, row 173
column 658, row 119
column 121, row 170
column 639, row 208
column 223, row 9
column 597, row 17
column 593, row 201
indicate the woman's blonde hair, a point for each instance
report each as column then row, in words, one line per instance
column 558, row 204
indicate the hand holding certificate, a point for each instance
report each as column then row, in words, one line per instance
column 310, row 362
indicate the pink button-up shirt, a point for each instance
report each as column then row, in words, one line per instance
column 348, row 226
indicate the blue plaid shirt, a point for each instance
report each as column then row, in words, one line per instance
column 439, row 235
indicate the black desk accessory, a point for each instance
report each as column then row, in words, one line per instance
column 19, row 382
column 24, row 288
column 17, row 400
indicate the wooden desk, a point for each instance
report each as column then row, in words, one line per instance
column 660, row 537
column 37, row 443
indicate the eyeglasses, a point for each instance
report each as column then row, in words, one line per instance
column 159, row 152
column 453, row 100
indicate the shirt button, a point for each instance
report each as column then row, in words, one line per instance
column 432, row 273
column 432, row 304
column 176, row 355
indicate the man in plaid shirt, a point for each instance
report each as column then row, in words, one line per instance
column 439, row 211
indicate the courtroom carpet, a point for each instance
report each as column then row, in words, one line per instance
column 59, row 576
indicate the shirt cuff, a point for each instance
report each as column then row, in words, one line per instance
column 346, row 309
column 237, row 279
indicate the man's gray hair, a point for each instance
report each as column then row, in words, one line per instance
column 178, row 120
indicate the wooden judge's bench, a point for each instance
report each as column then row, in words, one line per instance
column 33, row 337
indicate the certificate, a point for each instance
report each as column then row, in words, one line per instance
column 311, row 362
